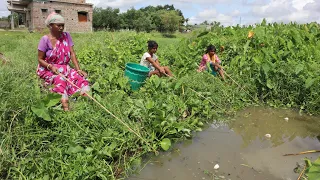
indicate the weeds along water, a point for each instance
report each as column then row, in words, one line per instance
column 87, row 143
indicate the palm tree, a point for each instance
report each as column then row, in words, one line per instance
column 186, row 20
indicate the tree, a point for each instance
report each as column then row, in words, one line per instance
column 170, row 20
column 106, row 18
column 128, row 18
column 16, row 18
column 205, row 23
column 161, row 18
column 187, row 20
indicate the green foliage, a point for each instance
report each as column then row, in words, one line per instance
column 279, row 66
column 313, row 169
column 106, row 18
column 161, row 18
column 42, row 108
column 165, row 144
column 170, row 20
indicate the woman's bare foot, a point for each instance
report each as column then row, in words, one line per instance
column 65, row 104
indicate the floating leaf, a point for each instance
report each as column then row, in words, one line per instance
column 313, row 171
column 165, row 144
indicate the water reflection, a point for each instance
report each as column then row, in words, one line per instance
column 257, row 122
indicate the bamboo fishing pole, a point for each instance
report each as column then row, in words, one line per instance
column 199, row 94
column 117, row 118
column 242, row 88
column 304, row 152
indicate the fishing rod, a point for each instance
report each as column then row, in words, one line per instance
column 117, row 118
column 199, row 94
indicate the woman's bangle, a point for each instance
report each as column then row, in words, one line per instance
column 48, row 66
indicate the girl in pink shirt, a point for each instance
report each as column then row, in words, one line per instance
column 212, row 58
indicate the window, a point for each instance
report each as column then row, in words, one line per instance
column 58, row 11
column 83, row 16
column 44, row 11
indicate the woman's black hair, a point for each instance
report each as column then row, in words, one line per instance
column 211, row 48
column 152, row 44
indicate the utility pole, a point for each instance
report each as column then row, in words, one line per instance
column 12, row 19
column 240, row 21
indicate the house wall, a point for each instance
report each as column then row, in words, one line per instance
column 4, row 24
column 68, row 10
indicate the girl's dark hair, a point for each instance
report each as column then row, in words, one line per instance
column 152, row 44
column 211, row 48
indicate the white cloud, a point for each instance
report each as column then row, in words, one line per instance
column 228, row 12
column 212, row 15
column 4, row 13
column 299, row 5
column 301, row 11
column 287, row 11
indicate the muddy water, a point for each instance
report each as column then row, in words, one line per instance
column 241, row 149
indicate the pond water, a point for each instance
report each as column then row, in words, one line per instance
column 241, row 149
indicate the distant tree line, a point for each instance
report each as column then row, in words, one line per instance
column 164, row 19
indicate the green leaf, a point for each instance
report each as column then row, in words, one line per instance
column 75, row 149
column 107, row 150
column 257, row 60
column 52, row 99
column 242, row 62
column 150, row 104
column 309, row 82
column 96, row 86
column 165, row 144
column 41, row 112
column 139, row 103
column 45, row 177
column 269, row 84
column 266, row 68
column 200, row 124
column 313, row 172
column 246, row 46
column 178, row 84
column 299, row 68
column 89, row 150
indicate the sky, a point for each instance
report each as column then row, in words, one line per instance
column 227, row 12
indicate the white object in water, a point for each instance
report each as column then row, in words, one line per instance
column 286, row 119
column 216, row 166
column 268, row 135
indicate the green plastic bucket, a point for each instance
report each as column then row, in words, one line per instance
column 213, row 72
column 137, row 75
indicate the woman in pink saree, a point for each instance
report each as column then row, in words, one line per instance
column 55, row 51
